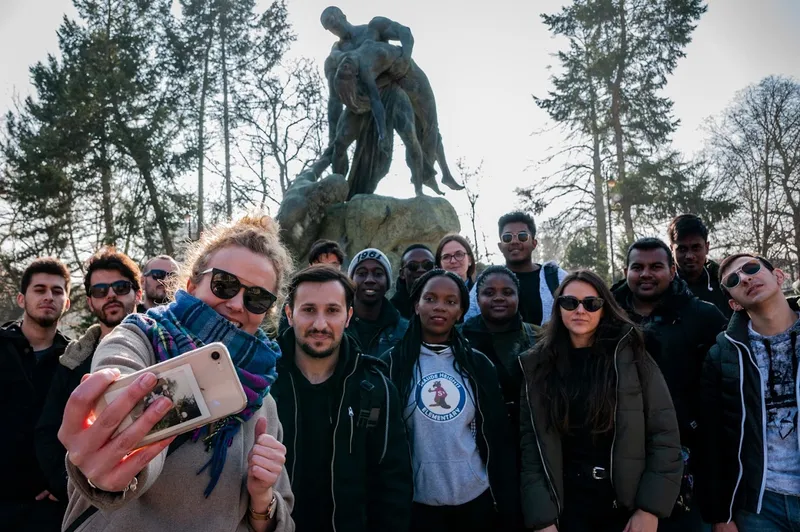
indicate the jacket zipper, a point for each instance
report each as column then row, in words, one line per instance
column 485, row 440
column 616, row 403
column 336, row 428
column 350, row 413
column 744, row 415
column 538, row 445
column 294, row 440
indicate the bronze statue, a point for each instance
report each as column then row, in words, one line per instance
column 375, row 89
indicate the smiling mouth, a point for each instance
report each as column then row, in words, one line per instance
column 370, row 291
column 750, row 290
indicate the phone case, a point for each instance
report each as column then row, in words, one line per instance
column 202, row 385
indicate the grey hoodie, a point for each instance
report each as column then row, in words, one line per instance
column 448, row 469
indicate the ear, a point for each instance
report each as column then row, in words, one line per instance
column 534, row 243
column 89, row 304
column 734, row 305
column 673, row 271
column 625, row 272
column 780, row 276
column 349, row 317
column 289, row 314
column 67, row 304
column 402, row 273
column 138, row 298
column 416, row 307
column 500, row 246
column 20, row 300
column 190, row 286
column 707, row 247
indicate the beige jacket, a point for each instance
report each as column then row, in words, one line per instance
column 169, row 496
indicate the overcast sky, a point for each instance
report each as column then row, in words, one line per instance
column 484, row 61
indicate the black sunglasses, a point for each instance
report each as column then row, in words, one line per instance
column 158, row 275
column 522, row 236
column 590, row 304
column 100, row 290
column 426, row 265
column 225, row 285
column 750, row 267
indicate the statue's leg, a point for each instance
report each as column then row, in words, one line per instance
column 346, row 133
column 404, row 125
column 447, row 177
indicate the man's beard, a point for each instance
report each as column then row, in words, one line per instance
column 313, row 353
column 100, row 314
column 44, row 322
column 157, row 300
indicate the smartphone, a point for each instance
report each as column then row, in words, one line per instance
column 202, row 385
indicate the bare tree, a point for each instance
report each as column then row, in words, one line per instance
column 472, row 179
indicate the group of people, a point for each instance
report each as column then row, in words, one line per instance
column 523, row 397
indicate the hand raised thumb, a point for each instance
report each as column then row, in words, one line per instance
column 261, row 426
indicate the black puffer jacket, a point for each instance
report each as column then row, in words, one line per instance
column 646, row 463
column 678, row 334
column 371, row 469
column 708, row 289
column 24, row 382
column 732, row 469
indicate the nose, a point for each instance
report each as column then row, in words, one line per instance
column 236, row 303
column 319, row 322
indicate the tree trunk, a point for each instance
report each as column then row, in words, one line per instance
column 616, row 119
column 599, row 186
column 225, row 114
column 161, row 220
column 201, row 136
column 105, row 184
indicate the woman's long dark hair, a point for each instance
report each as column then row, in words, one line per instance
column 406, row 353
column 552, row 369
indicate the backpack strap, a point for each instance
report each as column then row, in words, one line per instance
column 90, row 511
column 551, row 277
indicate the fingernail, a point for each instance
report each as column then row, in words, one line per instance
column 147, row 381
column 163, row 405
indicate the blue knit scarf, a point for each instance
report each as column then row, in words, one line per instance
column 188, row 323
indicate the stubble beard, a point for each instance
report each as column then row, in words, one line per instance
column 313, row 353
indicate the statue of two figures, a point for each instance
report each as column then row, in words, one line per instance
column 376, row 88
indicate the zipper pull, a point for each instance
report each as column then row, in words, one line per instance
column 350, row 411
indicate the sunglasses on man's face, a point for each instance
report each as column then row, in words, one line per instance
column 590, row 304
column 522, row 236
column 415, row 266
column 226, row 285
column 120, row 288
column 158, row 275
column 749, row 268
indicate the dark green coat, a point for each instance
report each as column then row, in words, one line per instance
column 646, row 464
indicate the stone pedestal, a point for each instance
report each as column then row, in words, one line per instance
column 389, row 224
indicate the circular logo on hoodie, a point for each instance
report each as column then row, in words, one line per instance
column 440, row 397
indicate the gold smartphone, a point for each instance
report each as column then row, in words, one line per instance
column 202, row 385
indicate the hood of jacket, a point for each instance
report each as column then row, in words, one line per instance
column 79, row 350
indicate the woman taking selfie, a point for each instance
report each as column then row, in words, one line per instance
column 499, row 332
column 454, row 254
column 229, row 475
column 462, row 455
column 599, row 436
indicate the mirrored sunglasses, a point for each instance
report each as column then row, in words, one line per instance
column 750, row 267
column 226, row 285
column 522, row 236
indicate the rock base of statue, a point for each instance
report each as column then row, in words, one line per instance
column 389, row 224
column 314, row 209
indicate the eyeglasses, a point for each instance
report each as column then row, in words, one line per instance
column 424, row 265
column 458, row 256
column 226, row 285
column 590, row 304
column 158, row 275
column 750, row 267
column 120, row 288
column 522, row 236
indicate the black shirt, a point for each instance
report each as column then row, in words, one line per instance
column 530, row 300
column 583, row 448
column 311, row 484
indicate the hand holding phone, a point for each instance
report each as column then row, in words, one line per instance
column 108, row 463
